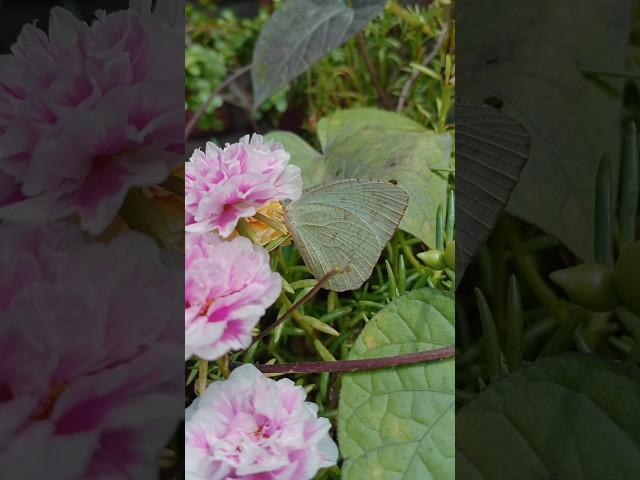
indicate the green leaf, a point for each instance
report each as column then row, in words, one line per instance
column 567, row 416
column 398, row 423
column 299, row 34
column 367, row 143
column 530, row 56
column 303, row 155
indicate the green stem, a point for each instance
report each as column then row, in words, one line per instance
column 611, row 73
column 530, row 274
column 499, row 275
column 603, row 229
column 223, row 365
column 203, row 372
column 630, row 188
column 408, row 253
column 362, row 47
column 293, row 308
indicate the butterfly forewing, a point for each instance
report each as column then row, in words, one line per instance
column 345, row 223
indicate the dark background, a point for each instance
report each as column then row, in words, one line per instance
column 15, row 13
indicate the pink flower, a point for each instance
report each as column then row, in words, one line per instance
column 228, row 287
column 225, row 185
column 88, row 111
column 90, row 370
column 255, row 428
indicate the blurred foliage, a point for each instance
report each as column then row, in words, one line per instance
column 396, row 45
column 217, row 43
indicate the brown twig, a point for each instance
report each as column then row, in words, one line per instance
column 428, row 58
column 203, row 108
column 362, row 47
column 357, row 365
column 310, row 294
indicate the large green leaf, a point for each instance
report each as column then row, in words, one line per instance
column 569, row 416
column 398, row 423
column 299, row 34
column 368, row 144
column 529, row 57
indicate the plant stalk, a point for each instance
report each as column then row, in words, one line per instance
column 357, row 365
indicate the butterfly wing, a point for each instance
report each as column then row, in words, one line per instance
column 491, row 151
column 345, row 223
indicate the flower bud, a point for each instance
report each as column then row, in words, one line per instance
column 433, row 259
column 589, row 285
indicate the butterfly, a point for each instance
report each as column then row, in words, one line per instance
column 345, row 224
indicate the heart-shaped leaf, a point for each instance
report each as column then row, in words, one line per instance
column 531, row 56
column 367, row 143
column 299, row 34
column 398, row 423
column 569, row 416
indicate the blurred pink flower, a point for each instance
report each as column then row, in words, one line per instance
column 255, row 428
column 88, row 111
column 228, row 287
column 225, row 185
column 90, row 369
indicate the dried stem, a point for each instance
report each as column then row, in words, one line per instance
column 203, row 108
column 428, row 58
column 357, row 365
column 362, row 48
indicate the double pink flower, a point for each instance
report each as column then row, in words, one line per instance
column 253, row 428
column 90, row 373
column 248, row 427
column 228, row 287
column 224, row 185
column 89, row 111
column 228, row 283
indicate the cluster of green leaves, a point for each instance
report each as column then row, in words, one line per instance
column 217, row 43
column 395, row 46
column 399, row 421
column 399, row 310
column 371, row 143
column 539, row 350
column 547, row 321
column 530, row 373
column 406, row 306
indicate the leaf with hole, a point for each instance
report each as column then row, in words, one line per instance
column 530, row 56
column 398, row 423
column 299, row 34
column 345, row 223
column 370, row 143
column 568, row 416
